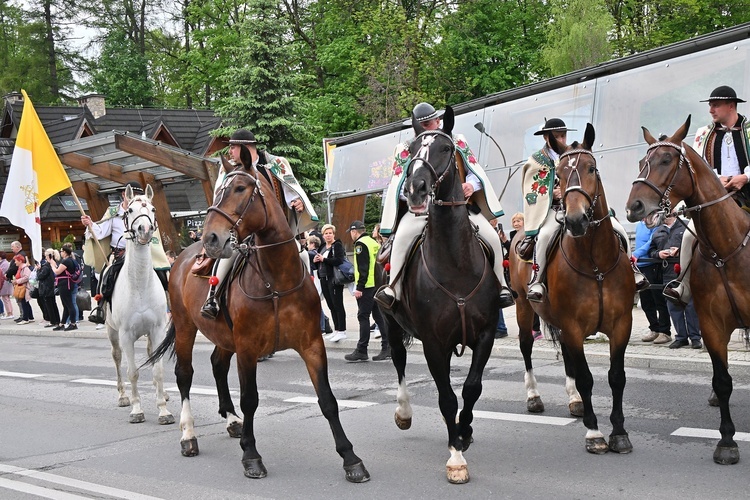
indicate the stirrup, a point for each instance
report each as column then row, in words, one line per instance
column 97, row 315
column 673, row 295
column 210, row 309
column 383, row 299
column 535, row 295
column 525, row 247
column 506, row 297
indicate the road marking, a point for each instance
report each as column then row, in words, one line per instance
column 513, row 417
column 20, row 375
column 199, row 390
column 94, row 381
column 346, row 403
column 708, row 433
column 113, row 383
column 64, row 481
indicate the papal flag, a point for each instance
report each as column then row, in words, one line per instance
column 35, row 175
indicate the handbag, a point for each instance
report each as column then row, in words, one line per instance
column 343, row 274
column 19, row 291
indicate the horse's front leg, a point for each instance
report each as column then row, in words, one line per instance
column 525, row 321
column 575, row 402
column 726, row 452
column 595, row 442
column 136, row 413
column 404, row 413
column 438, row 362
column 220, row 362
column 114, row 340
column 619, row 441
column 317, row 367
column 183, row 370
column 473, row 385
column 251, row 460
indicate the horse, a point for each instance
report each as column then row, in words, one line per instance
column 587, row 257
column 139, row 306
column 672, row 172
column 271, row 305
column 450, row 294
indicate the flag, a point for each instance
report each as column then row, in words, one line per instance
column 35, row 175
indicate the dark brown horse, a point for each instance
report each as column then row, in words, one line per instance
column 590, row 289
column 271, row 305
column 672, row 171
column 450, row 294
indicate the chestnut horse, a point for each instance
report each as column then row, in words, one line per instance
column 670, row 172
column 450, row 294
column 590, row 289
column 271, row 305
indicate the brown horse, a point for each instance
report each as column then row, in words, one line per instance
column 271, row 305
column 672, row 171
column 590, row 288
column 451, row 296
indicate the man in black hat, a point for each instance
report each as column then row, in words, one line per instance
column 301, row 216
column 724, row 144
column 110, row 231
column 540, row 193
column 484, row 205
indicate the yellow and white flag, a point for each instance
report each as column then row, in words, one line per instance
column 35, row 175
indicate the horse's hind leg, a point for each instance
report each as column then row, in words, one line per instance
column 165, row 417
column 114, row 340
column 525, row 320
column 184, row 334
column 619, row 441
column 317, row 367
column 220, row 362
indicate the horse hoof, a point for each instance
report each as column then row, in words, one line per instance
column 356, row 473
column 189, row 447
column 535, row 405
column 254, row 468
column 234, row 430
column 137, row 418
column 123, row 401
column 576, row 408
column 457, row 474
column 597, row 446
column 620, row 443
column 166, row 419
column 726, row 455
column 402, row 423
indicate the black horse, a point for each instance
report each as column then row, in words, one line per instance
column 450, row 294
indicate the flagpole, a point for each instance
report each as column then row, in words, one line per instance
column 80, row 207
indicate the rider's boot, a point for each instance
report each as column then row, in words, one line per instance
column 506, row 297
column 525, row 247
column 385, row 297
column 210, row 308
column 641, row 282
column 678, row 291
column 537, row 291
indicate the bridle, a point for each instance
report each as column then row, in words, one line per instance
column 577, row 188
column 423, row 157
column 664, row 203
column 129, row 233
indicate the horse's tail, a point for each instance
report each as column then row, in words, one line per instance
column 166, row 345
column 553, row 332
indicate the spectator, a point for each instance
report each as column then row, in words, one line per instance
column 365, row 251
column 6, row 288
column 665, row 244
column 332, row 254
column 46, row 278
column 313, row 243
column 23, row 272
column 653, row 304
column 12, row 269
column 67, row 287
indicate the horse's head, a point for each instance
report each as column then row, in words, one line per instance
column 140, row 216
column 665, row 178
column 432, row 169
column 238, row 211
column 580, row 182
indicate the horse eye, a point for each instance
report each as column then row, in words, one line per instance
column 239, row 189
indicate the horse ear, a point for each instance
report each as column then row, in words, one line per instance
column 228, row 167
column 588, row 137
column 448, row 120
column 681, row 132
column 128, row 193
column 149, row 192
column 650, row 139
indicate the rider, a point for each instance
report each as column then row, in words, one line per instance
column 110, row 231
column 725, row 145
column 476, row 187
column 538, row 182
column 300, row 213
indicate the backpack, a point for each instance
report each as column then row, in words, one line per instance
column 77, row 275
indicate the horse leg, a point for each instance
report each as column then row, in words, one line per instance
column 136, row 413
column 165, row 417
column 183, row 370
column 595, row 442
column 317, row 367
column 117, row 358
column 473, row 387
column 149, row 351
column 525, row 320
column 404, row 413
column 575, row 403
column 619, row 441
column 251, row 460
column 220, row 361
column 726, row 452
column 439, row 364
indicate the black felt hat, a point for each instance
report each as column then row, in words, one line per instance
column 137, row 188
column 242, row 136
column 424, row 111
column 554, row 125
column 724, row 93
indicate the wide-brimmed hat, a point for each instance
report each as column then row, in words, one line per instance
column 424, row 111
column 242, row 136
column 357, row 224
column 554, row 125
column 135, row 185
column 724, row 93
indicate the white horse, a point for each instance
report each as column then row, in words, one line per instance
column 139, row 305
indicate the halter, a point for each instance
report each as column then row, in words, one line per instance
column 428, row 138
column 664, row 203
column 129, row 233
column 257, row 190
column 572, row 163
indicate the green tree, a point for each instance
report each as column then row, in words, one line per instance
column 121, row 73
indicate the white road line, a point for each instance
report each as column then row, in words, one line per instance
column 342, row 402
column 513, row 417
column 198, row 390
column 708, row 433
column 64, row 481
column 20, row 375
column 95, row 381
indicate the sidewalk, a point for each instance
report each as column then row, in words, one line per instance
column 639, row 354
